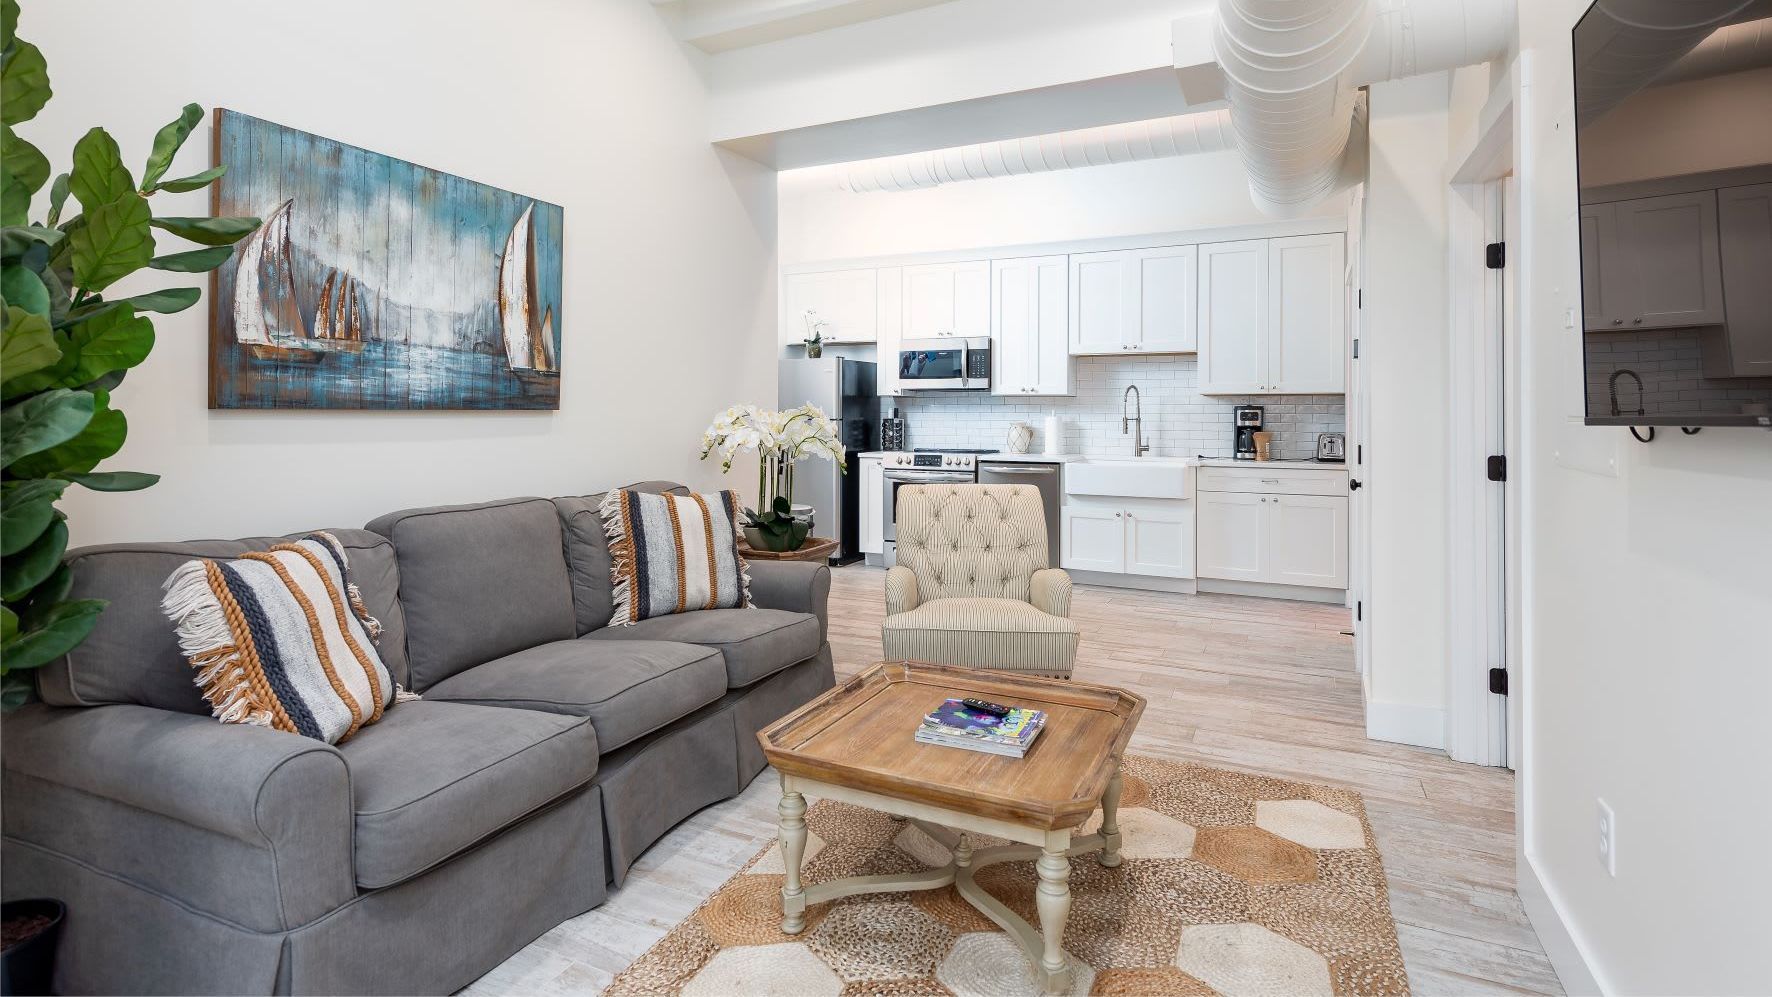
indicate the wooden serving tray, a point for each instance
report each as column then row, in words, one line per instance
column 814, row 549
column 861, row 735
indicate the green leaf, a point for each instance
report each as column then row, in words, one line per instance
column 22, row 572
column 58, row 196
column 114, row 242
column 26, row 510
column 47, row 593
column 195, row 261
column 115, row 481
column 8, row 624
column 27, row 345
column 15, row 202
column 8, row 22
column 166, row 145
column 15, row 690
column 24, row 83
column 42, row 422
column 99, row 175
column 28, row 166
column 52, row 376
column 208, row 231
column 17, row 240
column 195, row 181
column 24, row 289
column 103, row 436
column 116, row 340
column 61, row 630
column 166, row 302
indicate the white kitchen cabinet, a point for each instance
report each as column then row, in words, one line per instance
column 1093, row 537
column 889, row 325
column 1277, row 527
column 1030, row 353
column 947, row 299
column 1134, row 300
column 1652, row 263
column 1307, row 540
column 872, row 485
column 1271, row 316
column 1129, row 536
column 1230, row 542
column 1743, row 348
column 845, row 301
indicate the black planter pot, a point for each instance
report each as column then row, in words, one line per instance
column 29, row 966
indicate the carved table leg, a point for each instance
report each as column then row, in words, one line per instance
column 1110, row 822
column 792, row 811
column 1053, row 900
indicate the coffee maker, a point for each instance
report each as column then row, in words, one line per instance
column 1245, row 422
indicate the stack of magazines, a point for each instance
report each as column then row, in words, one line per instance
column 956, row 725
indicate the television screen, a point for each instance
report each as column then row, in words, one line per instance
column 1673, row 113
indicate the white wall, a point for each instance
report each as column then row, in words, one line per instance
column 669, row 270
column 1710, row 124
column 1647, row 595
column 1404, row 348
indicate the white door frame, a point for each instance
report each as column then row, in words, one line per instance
column 1483, row 558
column 1359, row 509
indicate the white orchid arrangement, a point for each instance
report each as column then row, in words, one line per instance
column 815, row 326
column 780, row 439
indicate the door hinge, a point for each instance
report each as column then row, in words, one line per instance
column 1498, row 681
column 1495, row 255
column 1359, row 297
column 1359, row 610
column 1359, row 453
column 1497, row 467
column 1356, row 349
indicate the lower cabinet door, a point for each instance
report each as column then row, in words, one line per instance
column 872, row 482
column 1231, row 535
column 1307, row 540
column 1094, row 538
column 1160, row 540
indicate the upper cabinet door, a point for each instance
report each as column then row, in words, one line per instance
column 890, row 328
column 1168, row 307
column 1305, row 301
column 1104, row 299
column 1603, row 280
column 1234, row 317
column 947, row 299
column 1745, row 226
column 1052, row 300
column 1029, row 322
column 1674, row 264
column 845, row 301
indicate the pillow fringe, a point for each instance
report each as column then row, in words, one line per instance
column 207, row 641
column 621, row 555
column 353, row 595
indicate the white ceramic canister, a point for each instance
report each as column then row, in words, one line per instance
column 1021, row 437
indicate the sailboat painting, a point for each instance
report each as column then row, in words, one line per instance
column 374, row 283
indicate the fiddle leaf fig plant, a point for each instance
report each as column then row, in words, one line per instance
column 65, row 346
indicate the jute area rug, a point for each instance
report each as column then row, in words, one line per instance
column 1233, row 884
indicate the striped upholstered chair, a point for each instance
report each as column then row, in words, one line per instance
column 971, row 586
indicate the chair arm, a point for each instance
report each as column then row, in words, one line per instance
column 901, row 590
column 796, row 586
column 1049, row 589
column 250, row 824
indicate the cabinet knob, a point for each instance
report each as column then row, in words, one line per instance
column 1618, row 321
column 1637, row 321
column 1116, row 515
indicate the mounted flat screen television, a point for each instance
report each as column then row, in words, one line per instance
column 1673, row 114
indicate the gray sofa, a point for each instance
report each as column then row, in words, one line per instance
column 548, row 752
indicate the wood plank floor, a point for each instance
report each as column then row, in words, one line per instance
column 1241, row 683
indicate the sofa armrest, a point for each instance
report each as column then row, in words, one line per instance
column 796, row 586
column 246, row 823
column 901, row 590
column 1049, row 589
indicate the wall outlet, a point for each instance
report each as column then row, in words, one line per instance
column 1608, row 828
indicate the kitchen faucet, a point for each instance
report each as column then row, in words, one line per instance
column 1139, row 446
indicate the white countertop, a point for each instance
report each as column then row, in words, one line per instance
column 1303, row 465
column 1043, row 458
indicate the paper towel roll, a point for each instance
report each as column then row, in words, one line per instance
column 1054, row 442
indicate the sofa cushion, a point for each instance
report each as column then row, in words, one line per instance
column 1005, row 634
column 433, row 778
column 133, row 656
column 627, row 688
column 478, row 582
column 754, row 643
column 587, row 552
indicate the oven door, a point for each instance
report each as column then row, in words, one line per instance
column 910, row 476
column 932, row 365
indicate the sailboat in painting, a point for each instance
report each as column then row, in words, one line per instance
column 338, row 317
column 267, row 317
column 529, row 339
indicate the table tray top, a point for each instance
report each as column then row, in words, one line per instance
column 861, row 735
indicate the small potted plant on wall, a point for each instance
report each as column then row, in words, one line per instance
column 64, row 348
column 780, row 439
column 814, row 340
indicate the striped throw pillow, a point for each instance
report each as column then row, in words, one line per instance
column 673, row 554
column 280, row 639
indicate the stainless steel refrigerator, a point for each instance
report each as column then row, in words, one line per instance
column 844, row 389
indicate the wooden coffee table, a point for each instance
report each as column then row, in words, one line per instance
column 856, row 743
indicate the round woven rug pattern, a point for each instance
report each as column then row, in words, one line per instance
column 1233, row 883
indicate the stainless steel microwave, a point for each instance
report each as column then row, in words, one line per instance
column 944, row 364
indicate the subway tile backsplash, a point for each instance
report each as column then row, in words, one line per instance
column 1178, row 421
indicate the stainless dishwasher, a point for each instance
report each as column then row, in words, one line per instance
column 1046, row 477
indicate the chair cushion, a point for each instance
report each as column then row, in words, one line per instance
column 1005, row 634
column 628, row 688
column 965, row 541
column 755, row 643
column 433, row 778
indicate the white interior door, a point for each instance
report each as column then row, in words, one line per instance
column 1359, row 518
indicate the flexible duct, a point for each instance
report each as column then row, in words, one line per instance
column 1160, row 138
column 1734, row 49
column 1623, row 44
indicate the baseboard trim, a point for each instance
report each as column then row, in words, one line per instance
column 1149, row 583
column 1406, row 723
column 1269, row 590
column 1567, row 955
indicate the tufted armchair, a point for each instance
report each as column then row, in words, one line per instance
column 971, row 586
